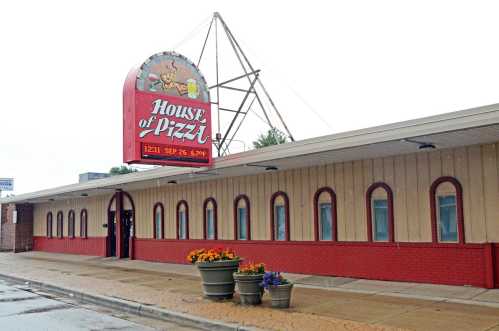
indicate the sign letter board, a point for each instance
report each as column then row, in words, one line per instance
column 167, row 113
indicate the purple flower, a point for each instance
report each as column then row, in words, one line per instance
column 272, row 278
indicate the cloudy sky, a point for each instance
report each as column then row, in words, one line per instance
column 330, row 66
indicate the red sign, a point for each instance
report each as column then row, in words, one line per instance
column 167, row 114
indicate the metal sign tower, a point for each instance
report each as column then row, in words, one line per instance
column 255, row 91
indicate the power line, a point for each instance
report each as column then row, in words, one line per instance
column 295, row 93
column 193, row 32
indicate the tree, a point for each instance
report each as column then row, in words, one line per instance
column 272, row 137
column 121, row 170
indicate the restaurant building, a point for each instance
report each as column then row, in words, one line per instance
column 412, row 201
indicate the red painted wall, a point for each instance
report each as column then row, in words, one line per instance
column 470, row 264
column 495, row 258
column 412, row 262
column 89, row 246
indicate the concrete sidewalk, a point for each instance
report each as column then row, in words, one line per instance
column 319, row 303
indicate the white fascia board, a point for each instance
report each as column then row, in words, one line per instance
column 465, row 119
column 385, row 133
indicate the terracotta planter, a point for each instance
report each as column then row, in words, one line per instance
column 218, row 280
column 249, row 287
column 281, row 295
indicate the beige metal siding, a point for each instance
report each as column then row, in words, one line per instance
column 96, row 210
column 423, row 175
column 409, row 176
column 476, row 189
column 295, row 207
column 343, row 221
column 400, row 204
column 491, row 190
column 412, row 199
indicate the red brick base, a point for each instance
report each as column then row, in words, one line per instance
column 469, row 264
column 495, row 259
column 89, row 246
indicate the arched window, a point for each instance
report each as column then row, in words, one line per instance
column 446, row 203
column 325, row 215
column 60, row 222
column 182, row 220
column 49, row 224
column 210, row 219
column 159, row 221
column 379, row 205
column 71, row 224
column 242, row 218
column 279, row 217
column 83, row 224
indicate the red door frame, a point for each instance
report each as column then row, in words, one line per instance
column 119, row 210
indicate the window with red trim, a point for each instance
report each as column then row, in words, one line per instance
column 182, row 220
column 71, row 224
column 446, row 202
column 83, row 223
column 210, row 219
column 379, row 205
column 49, row 225
column 325, row 227
column 279, row 217
column 159, row 221
column 60, row 223
column 242, row 218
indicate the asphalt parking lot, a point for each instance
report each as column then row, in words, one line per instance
column 22, row 308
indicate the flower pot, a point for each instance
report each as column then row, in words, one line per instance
column 281, row 295
column 218, row 280
column 250, row 290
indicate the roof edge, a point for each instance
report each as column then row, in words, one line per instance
column 468, row 118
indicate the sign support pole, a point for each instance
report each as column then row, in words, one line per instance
column 221, row 142
column 229, row 33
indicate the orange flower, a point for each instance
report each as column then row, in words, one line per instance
column 210, row 255
column 252, row 268
column 193, row 256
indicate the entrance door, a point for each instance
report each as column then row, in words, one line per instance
column 111, row 234
column 119, row 235
column 127, row 226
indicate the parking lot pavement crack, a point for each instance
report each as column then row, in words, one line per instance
column 45, row 309
column 18, row 299
column 478, row 294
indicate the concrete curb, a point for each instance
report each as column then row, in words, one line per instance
column 132, row 307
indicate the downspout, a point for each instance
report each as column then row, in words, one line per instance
column 14, row 222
